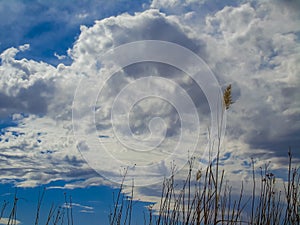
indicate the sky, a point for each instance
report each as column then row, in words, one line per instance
column 89, row 88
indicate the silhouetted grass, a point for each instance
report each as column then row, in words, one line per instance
column 194, row 203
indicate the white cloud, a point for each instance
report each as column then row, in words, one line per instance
column 176, row 6
column 259, row 58
column 60, row 57
column 112, row 32
column 83, row 208
column 41, row 150
column 165, row 3
column 250, row 45
column 5, row 221
column 46, row 94
column 86, row 211
column 24, row 47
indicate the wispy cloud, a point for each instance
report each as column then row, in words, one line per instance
column 4, row 221
column 86, row 211
column 82, row 208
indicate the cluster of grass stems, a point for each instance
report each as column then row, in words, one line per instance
column 57, row 215
column 205, row 198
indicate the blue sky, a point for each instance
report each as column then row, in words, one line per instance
column 48, row 48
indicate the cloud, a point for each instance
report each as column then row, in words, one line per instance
column 86, row 211
column 44, row 94
column 194, row 8
column 127, row 86
column 82, row 208
column 60, row 57
column 114, row 31
column 262, row 57
column 250, row 46
column 25, row 85
column 5, row 221
column 40, row 150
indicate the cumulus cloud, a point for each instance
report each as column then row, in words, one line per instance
column 126, row 87
column 45, row 93
column 25, row 84
column 263, row 67
column 32, row 87
column 253, row 45
column 114, row 31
